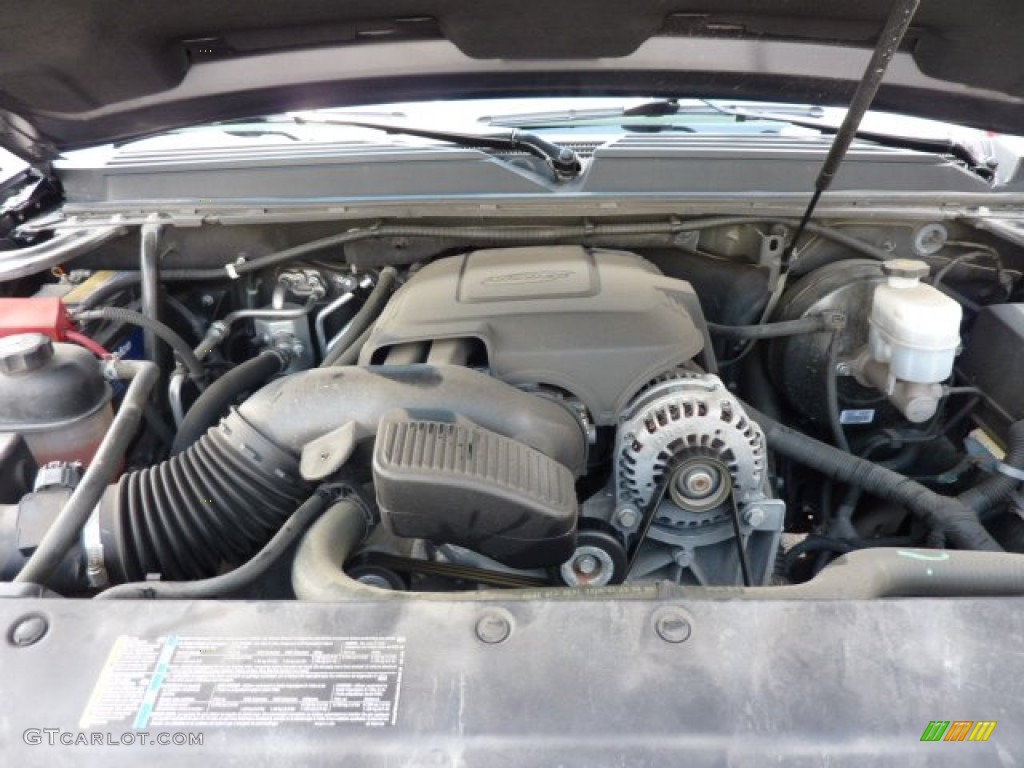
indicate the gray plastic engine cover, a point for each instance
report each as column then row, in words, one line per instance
column 599, row 324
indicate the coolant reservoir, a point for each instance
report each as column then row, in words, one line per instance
column 914, row 328
column 54, row 396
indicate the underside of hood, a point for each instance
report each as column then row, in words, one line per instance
column 81, row 72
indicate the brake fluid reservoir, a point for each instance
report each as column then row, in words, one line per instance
column 914, row 328
column 53, row 395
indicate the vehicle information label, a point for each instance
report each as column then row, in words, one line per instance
column 862, row 416
column 181, row 681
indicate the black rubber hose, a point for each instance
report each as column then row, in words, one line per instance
column 164, row 332
column 950, row 516
column 233, row 581
column 130, row 280
column 798, row 327
column 213, row 403
column 835, row 419
column 364, row 318
column 985, row 495
column 317, row 574
column 351, row 355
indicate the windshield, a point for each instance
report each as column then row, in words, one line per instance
column 579, row 117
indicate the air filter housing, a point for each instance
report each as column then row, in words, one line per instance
column 445, row 479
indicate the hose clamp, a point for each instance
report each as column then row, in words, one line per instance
column 92, row 544
column 1006, row 469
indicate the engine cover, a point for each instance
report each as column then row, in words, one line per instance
column 598, row 324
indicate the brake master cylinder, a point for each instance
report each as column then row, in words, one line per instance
column 913, row 337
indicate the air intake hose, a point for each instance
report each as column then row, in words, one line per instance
column 216, row 503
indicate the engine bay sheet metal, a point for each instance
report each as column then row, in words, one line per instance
column 533, row 683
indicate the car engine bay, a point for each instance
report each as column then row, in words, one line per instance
column 434, row 408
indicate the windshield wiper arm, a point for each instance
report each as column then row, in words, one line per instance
column 946, row 146
column 563, row 161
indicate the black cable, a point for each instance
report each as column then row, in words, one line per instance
column 832, row 395
column 244, row 575
column 948, row 515
column 738, row 538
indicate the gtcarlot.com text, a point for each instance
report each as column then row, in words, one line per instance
column 53, row 737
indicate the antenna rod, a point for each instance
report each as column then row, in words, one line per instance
column 888, row 43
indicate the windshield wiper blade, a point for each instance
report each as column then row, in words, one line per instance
column 563, row 161
column 946, row 146
column 656, row 108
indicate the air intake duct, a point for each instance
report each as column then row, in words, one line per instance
column 214, row 505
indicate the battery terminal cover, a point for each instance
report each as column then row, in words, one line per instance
column 45, row 315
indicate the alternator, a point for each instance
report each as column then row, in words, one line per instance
column 686, row 443
column 689, row 425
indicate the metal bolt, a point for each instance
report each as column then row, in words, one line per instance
column 697, row 482
column 493, row 628
column 28, row 631
column 375, row 580
column 672, row 625
column 627, row 517
column 206, row 300
column 755, row 516
column 586, row 564
column 682, row 558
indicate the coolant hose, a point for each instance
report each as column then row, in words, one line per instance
column 803, row 325
column 950, row 516
column 213, row 403
column 66, row 528
column 318, row 575
column 364, row 318
column 164, row 332
column 221, row 499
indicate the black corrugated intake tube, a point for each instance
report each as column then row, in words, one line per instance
column 215, row 504
column 213, row 403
